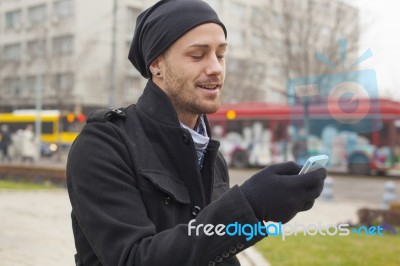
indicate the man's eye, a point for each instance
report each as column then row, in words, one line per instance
column 196, row 57
column 221, row 56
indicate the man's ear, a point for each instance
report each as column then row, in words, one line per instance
column 155, row 68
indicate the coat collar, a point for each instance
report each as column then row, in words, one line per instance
column 157, row 105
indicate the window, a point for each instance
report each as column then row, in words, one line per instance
column 299, row 4
column 258, row 72
column 236, row 11
column 35, row 49
column 12, row 52
column 128, row 63
column 31, row 83
column 276, row 71
column 276, row 44
column 278, row 19
column 37, row 14
column 297, row 26
column 257, row 41
column 131, row 16
column 63, row 45
column 215, row 4
column 13, row 19
column 12, row 87
column 63, row 8
column 235, row 65
column 236, row 38
column 325, row 32
column 63, row 83
column 132, row 88
column 258, row 15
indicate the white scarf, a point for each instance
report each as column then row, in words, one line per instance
column 200, row 139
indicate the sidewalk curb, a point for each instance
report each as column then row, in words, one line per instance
column 251, row 257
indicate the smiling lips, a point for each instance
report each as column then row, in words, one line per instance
column 210, row 87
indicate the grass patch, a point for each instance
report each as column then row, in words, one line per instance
column 13, row 185
column 352, row 250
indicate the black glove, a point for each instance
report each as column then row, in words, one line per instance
column 278, row 193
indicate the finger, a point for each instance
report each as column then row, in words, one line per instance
column 309, row 180
column 314, row 192
column 287, row 168
column 314, row 178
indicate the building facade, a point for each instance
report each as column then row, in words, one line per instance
column 61, row 50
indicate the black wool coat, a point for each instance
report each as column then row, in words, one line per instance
column 134, row 186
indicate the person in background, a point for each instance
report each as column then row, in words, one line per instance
column 141, row 179
column 29, row 151
column 5, row 143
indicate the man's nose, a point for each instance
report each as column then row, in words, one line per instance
column 214, row 66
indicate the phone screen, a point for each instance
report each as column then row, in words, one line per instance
column 314, row 163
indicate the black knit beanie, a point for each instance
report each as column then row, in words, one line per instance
column 159, row 26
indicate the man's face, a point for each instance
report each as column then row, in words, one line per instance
column 193, row 70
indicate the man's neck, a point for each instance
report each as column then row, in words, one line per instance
column 189, row 120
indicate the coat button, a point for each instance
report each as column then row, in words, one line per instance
column 232, row 250
column 218, row 259
column 211, row 263
column 195, row 210
column 167, row 200
column 225, row 255
column 240, row 245
column 186, row 139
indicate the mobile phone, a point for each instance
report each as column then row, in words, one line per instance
column 314, row 163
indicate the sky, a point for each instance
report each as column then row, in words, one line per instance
column 380, row 22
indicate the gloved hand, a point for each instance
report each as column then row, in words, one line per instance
column 277, row 193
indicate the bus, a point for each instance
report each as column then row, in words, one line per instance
column 57, row 129
column 365, row 140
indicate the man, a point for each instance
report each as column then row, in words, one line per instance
column 5, row 142
column 29, row 150
column 144, row 180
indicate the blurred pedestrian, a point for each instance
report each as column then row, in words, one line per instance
column 28, row 144
column 5, row 142
column 140, row 179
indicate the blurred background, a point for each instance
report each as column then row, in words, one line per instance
column 304, row 77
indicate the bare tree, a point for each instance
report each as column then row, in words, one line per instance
column 290, row 33
column 311, row 27
column 243, row 81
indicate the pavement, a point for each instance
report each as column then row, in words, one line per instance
column 35, row 228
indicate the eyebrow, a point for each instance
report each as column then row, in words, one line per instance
column 205, row 46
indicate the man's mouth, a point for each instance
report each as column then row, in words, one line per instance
column 209, row 86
